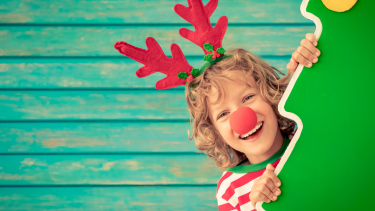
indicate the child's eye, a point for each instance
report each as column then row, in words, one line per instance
column 221, row 115
column 248, row 97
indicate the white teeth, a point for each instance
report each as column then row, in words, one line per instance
column 253, row 130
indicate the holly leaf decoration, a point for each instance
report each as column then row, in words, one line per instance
column 194, row 72
column 208, row 47
column 182, row 75
column 220, row 50
column 208, row 57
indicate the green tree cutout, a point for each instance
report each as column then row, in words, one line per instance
column 331, row 166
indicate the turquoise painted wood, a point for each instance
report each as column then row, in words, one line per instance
column 48, row 73
column 99, row 40
column 148, row 198
column 78, row 129
column 141, row 12
column 108, row 169
column 95, row 137
column 93, row 104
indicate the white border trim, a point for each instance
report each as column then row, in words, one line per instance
column 288, row 151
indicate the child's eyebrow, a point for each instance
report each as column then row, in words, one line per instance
column 217, row 107
column 246, row 88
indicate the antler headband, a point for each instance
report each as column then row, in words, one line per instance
column 177, row 69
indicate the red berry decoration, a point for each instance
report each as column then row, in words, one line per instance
column 190, row 78
column 243, row 120
column 214, row 55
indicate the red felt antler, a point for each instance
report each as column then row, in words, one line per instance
column 155, row 60
column 199, row 16
column 177, row 69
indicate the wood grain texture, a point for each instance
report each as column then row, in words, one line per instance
column 90, row 104
column 130, row 169
column 83, row 132
column 101, row 137
column 126, row 11
column 46, row 73
column 99, row 40
column 108, row 198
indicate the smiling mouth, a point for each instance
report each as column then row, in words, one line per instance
column 254, row 131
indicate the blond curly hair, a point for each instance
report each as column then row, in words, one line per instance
column 207, row 139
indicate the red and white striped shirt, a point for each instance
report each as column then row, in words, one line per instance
column 234, row 187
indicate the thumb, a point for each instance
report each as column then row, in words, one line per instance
column 292, row 65
column 270, row 167
column 253, row 203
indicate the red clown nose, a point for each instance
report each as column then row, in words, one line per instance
column 243, row 120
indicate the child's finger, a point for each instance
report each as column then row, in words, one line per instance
column 307, row 54
column 271, row 175
column 270, row 185
column 258, row 196
column 270, row 167
column 301, row 59
column 309, row 46
column 265, row 190
column 312, row 39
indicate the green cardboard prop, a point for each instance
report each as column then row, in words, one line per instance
column 330, row 162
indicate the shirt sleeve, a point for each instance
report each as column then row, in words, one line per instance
column 238, row 194
column 233, row 191
column 226, row 206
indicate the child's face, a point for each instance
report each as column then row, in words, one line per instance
column 239, row 94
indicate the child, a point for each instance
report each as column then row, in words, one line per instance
column 244, row 80
column 214, row 94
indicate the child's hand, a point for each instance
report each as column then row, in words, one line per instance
column 306, row 54
column 266, row 187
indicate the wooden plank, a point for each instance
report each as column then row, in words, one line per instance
column 99, row 41
column 93, row 104
column 110, row 137
column 108, row 198
column 77, row 73
column 127, row 11
column 131, row 169
column 48, row 73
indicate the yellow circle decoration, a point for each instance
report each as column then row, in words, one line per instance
column 340, row 5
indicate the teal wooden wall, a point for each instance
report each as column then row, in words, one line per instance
column 78, row 129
